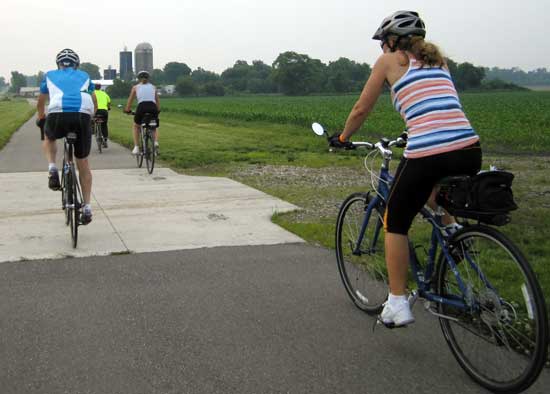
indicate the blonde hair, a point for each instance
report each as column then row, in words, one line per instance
column 425, row 52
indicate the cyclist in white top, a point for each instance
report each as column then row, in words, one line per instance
column 148, row 102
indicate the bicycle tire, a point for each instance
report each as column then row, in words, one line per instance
column 74, row 220
column 64, row 193
column 139, row 156
column 510, row 321
column 98, row 137
column 364, row 276
column 149, row 153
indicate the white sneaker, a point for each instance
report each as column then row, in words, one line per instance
column 397, row 315
column 136, row 150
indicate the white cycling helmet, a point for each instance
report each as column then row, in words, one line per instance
column 401, row 23
column 143, row 74
column 68, row 58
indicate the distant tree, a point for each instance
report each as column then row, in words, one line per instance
column 469, row 76
column 213, row 88
column 35, row 80
column 91, row 69
column 39, row 77
column 174, row 70
column 185, row 86
column 539, row 76
column 119, row 89
column 201, row 76
column 236, row 77
column 261, row 70
column 17, row 81
column 3, row 83
column 297, row 74
column 157, row 77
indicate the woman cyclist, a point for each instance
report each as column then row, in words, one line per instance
column 441, row 141
column 148, row 102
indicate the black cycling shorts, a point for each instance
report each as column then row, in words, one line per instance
column 146, row 107
column 415, row 179
column 58, row 124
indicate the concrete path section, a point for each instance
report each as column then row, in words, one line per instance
column 136, row 212
column 133, row 211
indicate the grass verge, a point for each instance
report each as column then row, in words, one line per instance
column 13, row 113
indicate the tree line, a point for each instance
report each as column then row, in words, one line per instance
column 292, row 74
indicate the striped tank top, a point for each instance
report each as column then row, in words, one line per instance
column 427, row 100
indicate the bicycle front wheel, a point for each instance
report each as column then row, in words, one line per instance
column 362, row 266
column 149, row 153
column 501, row 338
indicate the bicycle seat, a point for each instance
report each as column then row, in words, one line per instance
column 71, row 137
column 99, row 119
column 149, row 120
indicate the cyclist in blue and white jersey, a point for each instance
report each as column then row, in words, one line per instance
column 71, row 106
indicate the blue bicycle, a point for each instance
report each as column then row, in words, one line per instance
column 475, row 281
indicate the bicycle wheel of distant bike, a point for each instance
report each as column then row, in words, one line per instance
column 74, row 206
column 64, row 194
column 98, row 136
column 361, row 261
column 501, row 339
column 139, row 156
column 149, row 153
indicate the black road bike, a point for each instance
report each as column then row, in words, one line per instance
column 71, row 195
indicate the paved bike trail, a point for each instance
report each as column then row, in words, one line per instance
column 133, row 210
column 243, row 319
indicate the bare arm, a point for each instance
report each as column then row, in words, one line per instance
column 94, row 99
column 157, row 100
column 369, row 95
column 130, row 100
column 41, row 105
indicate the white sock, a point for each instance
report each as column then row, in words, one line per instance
column 397, row 299
column 88, row 207
column 51, row 166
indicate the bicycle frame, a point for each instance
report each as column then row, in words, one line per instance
column 423, row 278
column 69, row 162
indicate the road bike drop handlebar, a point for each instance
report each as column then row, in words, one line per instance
column 382, row 145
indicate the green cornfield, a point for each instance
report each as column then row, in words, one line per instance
column 518, row 121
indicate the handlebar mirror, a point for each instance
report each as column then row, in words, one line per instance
column 318, row 129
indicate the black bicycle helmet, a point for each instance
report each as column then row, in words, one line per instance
column 401, row 23
column 143, row 74
column 68, row 58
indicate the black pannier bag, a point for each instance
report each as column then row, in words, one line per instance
column 486, row 197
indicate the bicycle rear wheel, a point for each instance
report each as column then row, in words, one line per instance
column 362, row 267
column 64, row 200
column 75, row 206
column 501, row 340
column 149, row 153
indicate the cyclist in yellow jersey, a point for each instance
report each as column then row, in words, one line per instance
column 103, row 106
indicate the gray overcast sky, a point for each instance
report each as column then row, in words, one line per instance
column 213, row 34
